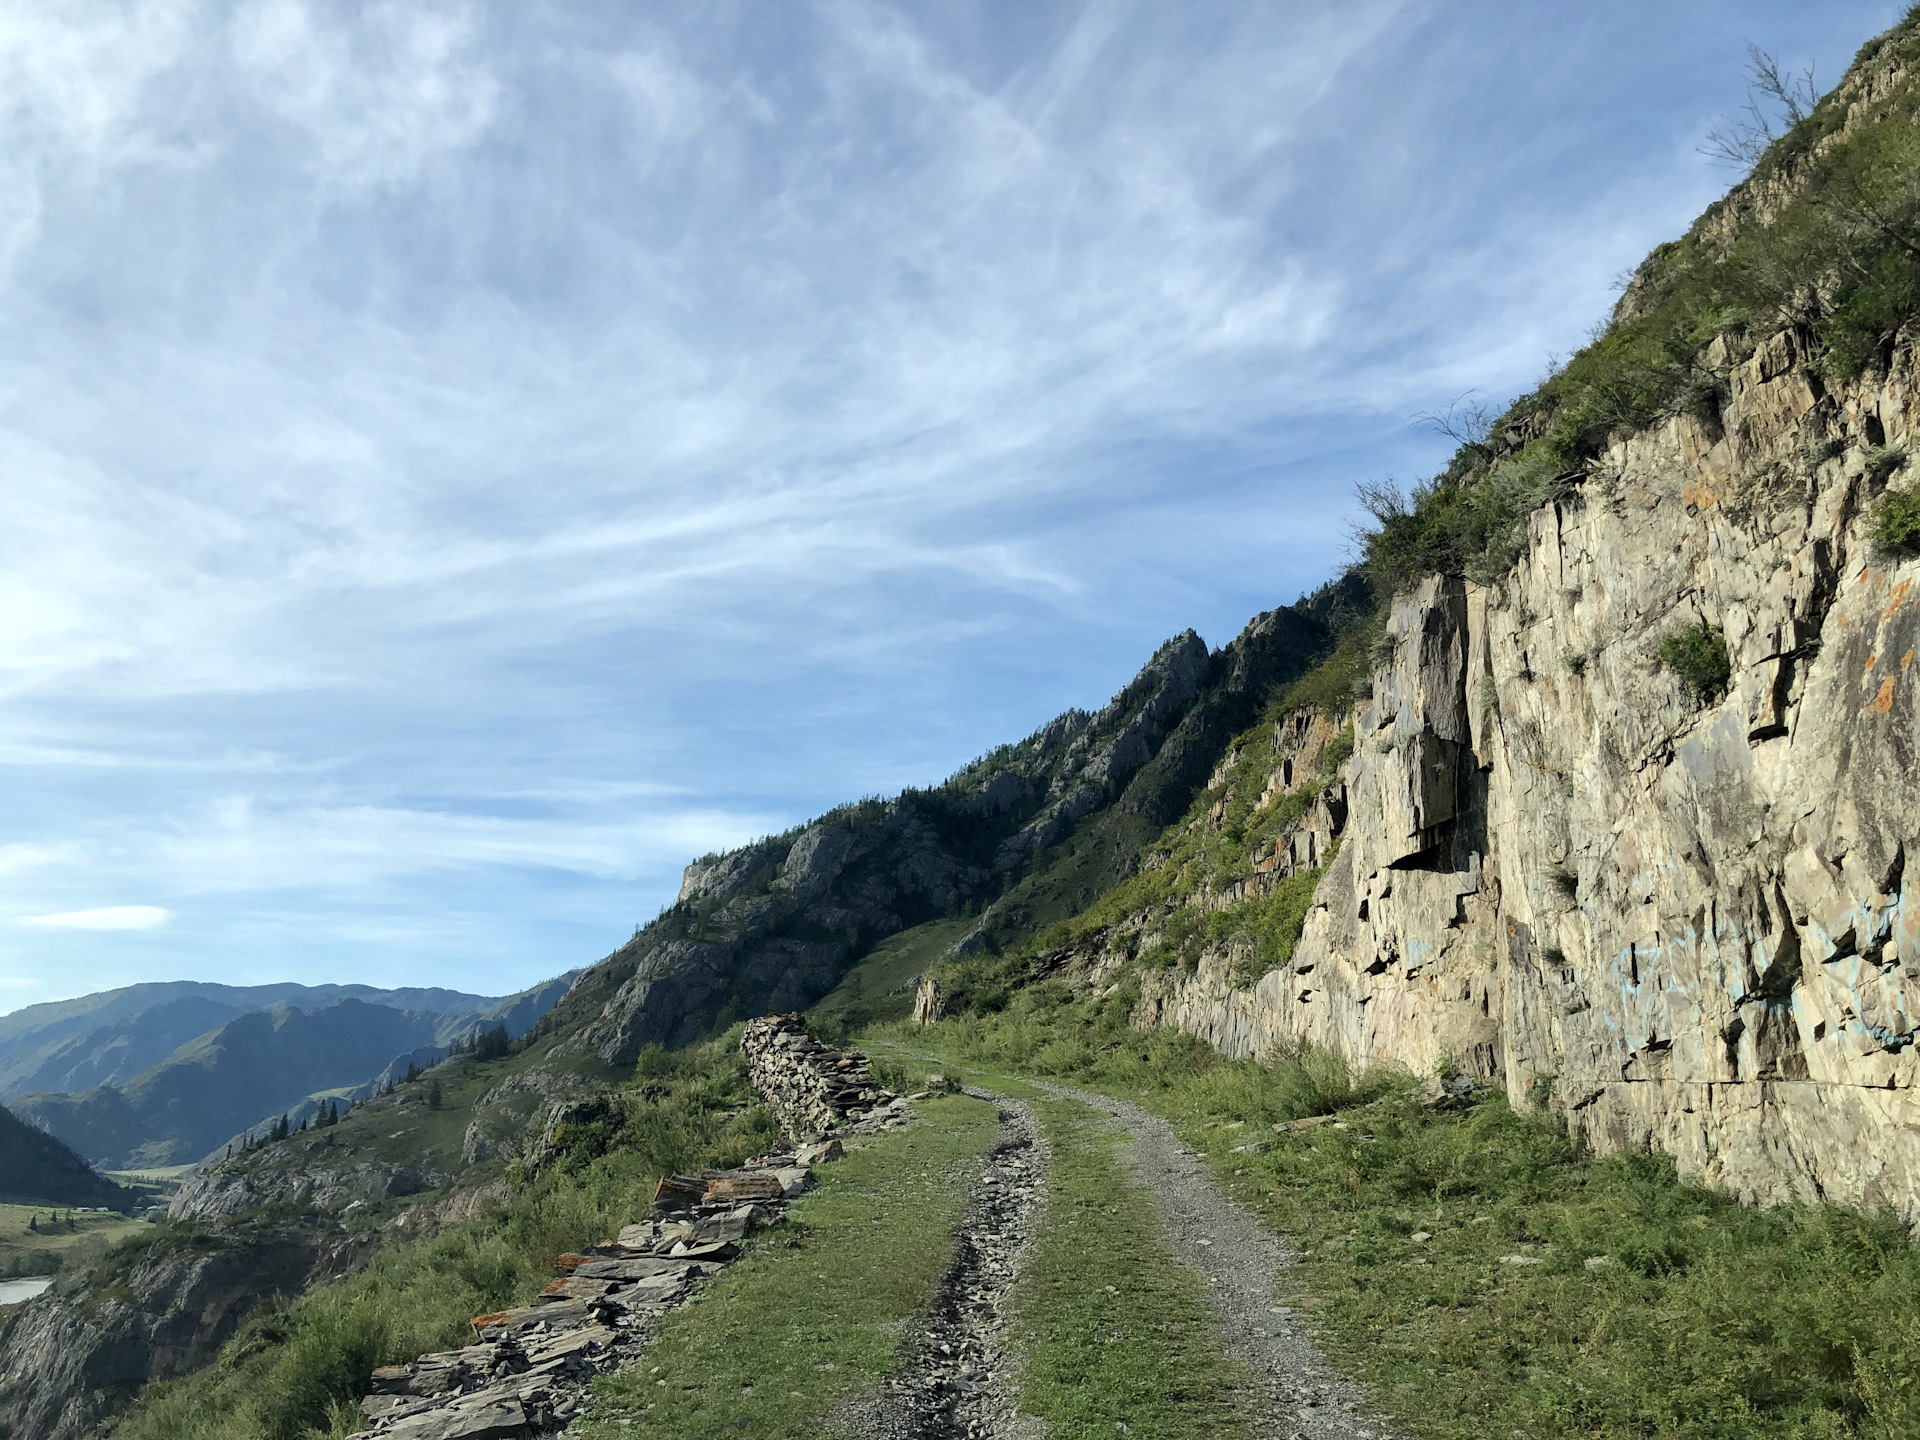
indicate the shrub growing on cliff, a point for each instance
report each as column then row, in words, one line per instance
column 1833, row 264
column 1698, row 657
column 1896, row 523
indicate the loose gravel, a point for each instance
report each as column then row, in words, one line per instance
column 961, row 1382
column 1243, row 1264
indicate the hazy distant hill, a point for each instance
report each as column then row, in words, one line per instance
column 36, row 1168
column 110, row 1037
column 258, row 1064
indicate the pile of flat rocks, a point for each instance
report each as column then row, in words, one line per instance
column 529, row 1370
column 813, row 1088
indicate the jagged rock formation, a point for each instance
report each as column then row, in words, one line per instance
column 813, row 1088
column 74, row 1357
column 773, row 926
column 1687, row 925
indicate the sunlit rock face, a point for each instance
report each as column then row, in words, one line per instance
column 1687, row 922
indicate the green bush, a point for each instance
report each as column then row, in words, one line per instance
column 1271, row 924
column 1896, row 523
column 1698, row 657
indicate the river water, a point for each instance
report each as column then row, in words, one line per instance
column 12, row 1292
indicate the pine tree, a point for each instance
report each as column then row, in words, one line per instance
column 33, row 1224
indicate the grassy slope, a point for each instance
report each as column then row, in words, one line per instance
column 812, row 1317
column 1193, row 855
column 299, row 1368
column 34, row 1166
column 1705, row 1318
column 42, row 1252
column 879, row 989
column 1835, row 264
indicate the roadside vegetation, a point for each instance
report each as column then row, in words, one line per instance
column 1484, row 1274
column 297, row 1369
column 813, row 1318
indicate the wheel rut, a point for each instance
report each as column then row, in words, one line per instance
column 959, row 1382
column 1242, row 1262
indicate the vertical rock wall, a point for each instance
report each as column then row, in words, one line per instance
column 1687, row 924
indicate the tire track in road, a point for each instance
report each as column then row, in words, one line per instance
column 1242, row 1262
column 960, row 1382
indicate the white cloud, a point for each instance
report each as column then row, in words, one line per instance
column 378, row 94
column 110, row 917
column 464, row 458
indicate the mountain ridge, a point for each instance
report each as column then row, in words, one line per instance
column 109, row 1036
column 232, row 1081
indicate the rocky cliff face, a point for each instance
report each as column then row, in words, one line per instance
column 1686, row 922
column 74, row 1357
column 772, row 927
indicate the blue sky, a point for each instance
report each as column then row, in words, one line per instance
column 462, row 461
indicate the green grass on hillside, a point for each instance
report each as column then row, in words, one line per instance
column 879, row 989
column 24, row 1251
column 297, row 1369
column 1196, row 854
column 1553, row 1294
column 812, row 1318
column 1836, row 264
column 1119, row 1337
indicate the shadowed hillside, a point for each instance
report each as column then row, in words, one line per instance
column 35, row 1168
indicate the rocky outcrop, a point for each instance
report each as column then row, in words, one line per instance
column 774, row 926
column 812, row 1088
column 73, row 1358
column 504, row 1117
column 297, row 1172
column 929, row 1001
column 1686, row 922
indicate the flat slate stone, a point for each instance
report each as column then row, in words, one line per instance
column 496, row 1420
column 574, row 1342
column 644, row 1268
column 567, row 1315
column 576, row 1287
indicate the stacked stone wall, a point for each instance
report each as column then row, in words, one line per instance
column 813, row 1088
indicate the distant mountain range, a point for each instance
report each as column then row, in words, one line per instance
column 35, row 1168
column 110, row 1037
column 167, row 1074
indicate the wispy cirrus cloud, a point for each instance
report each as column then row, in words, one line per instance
column 461, row 461
column 106, row 917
